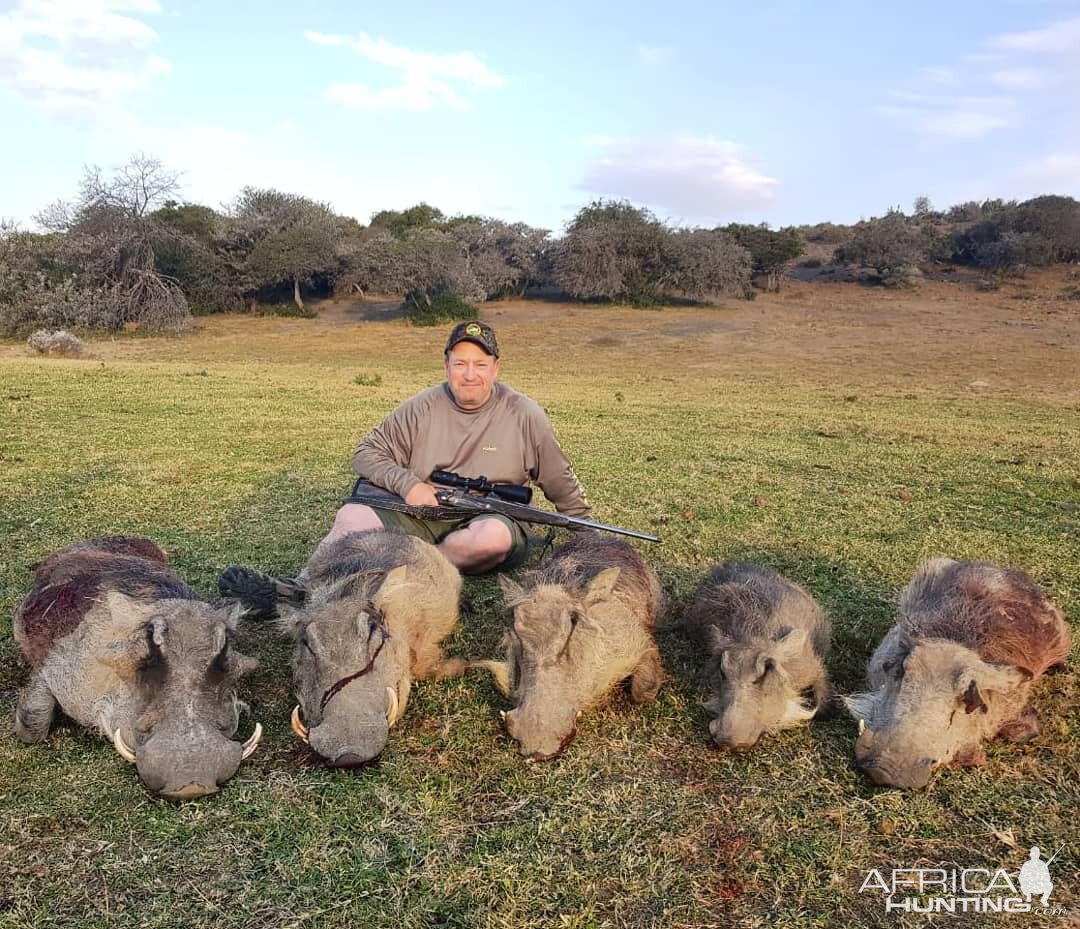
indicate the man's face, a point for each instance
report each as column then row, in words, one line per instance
column 471, row 373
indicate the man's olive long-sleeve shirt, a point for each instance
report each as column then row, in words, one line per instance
column 508, row 439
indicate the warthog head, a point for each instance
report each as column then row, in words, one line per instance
column 350, row 674
column 752, row 692
column 933, row 707
column 183, row 669
column 551, row 660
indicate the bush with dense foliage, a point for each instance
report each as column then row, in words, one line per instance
column 125, row 250
column 616, row 251
column 890, row 245
column 58, row 343
column 771, row 250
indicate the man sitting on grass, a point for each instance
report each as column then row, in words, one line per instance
column 471, row 424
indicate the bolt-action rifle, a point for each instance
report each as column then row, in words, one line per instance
column 472, row 496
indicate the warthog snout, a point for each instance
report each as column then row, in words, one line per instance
column 910, row 775
column 538, row 739
column 343, row 739
column 183, row 769
column 733, row 741
column 876, row 757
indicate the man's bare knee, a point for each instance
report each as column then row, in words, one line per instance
column 492, row 537
column 480, row 546
column 353, row 517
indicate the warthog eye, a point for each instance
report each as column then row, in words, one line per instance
column 377, row 624
column 770, row 665
column 895, row 668
column 575, row 616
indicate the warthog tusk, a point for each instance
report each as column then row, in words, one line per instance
column 862, row 726
column 253, row 743
column 392, row 712
column 502, row 715
column 121, row 746
column 298, row 727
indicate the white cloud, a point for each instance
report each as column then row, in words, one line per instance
column 1013, row 76
column 425, row 80
column 79, row 57
column 690, row 178
column 953, row 117
column 1054, row 173
column 415, row 96
column 1020, row 78
column 1060, row 38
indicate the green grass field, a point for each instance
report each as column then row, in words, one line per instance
column 231, row 445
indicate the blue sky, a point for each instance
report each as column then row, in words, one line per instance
column 706, row 112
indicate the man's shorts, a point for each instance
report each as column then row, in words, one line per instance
column 435, row 530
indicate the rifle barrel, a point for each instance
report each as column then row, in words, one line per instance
column 529, row 514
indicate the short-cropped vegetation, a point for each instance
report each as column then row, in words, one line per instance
column 230, row 446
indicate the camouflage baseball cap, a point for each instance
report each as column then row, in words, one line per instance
column 476, row 332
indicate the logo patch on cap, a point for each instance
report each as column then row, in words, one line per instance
column 473, row 329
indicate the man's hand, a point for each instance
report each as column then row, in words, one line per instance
column 422, row 495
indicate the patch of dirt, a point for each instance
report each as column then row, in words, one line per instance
column 942, row 334
column 344, row 310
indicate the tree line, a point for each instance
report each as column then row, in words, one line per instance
column 125, row 249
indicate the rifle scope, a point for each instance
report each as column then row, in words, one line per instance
column 514, row 493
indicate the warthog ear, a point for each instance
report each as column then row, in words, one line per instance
column 973, row 699
column 972, row 684
column 790, row 644
column 234, row 614
column 763, row 665
column 860, row 705
column 121, row 606
column 290, row 620
column 123, row 655
column 602, row 585
column 513, row 592
column 219, row 636
column 719, row 641
column 394, row 581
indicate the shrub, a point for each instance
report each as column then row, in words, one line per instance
column 422, row 309
column 612, row 251
column 35, row 301
column 1013, row 252
column 902, row 277
column 703, row 263
column 368, row 380
column 615, row 251
column 1053, row 221
column 59, row 342
column 771, row 250
column 889, row 245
